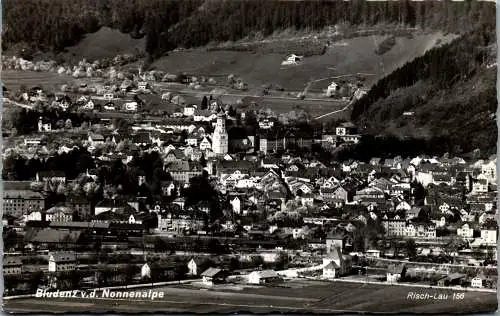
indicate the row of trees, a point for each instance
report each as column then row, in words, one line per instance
column 24, row 121
column 73, row 163
column 392, row 146
column 168, row 24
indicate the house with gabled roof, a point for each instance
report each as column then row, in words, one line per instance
column 205, row 144
column 193, row 266
column 478, row 280
column 62, row 261
column 412, row 213
column 212, row 276
column 175, row 155
column 95, row 139
column 331, row 270
column 396, row 272
column 335, row 263
column 263, row 276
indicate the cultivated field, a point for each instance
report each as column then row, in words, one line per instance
column 296, row 296
column 350, row 56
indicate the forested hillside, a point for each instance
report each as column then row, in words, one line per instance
column 449, row 93
column 51, row 25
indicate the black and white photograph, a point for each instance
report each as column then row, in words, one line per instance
column 249, row 156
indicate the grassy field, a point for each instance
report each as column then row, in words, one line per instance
column 346, row 57
column 106, row 43
column 13, row 79
column 297, row 296
column 313, row 107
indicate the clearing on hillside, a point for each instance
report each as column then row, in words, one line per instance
column 350, row 56
column 106, row 43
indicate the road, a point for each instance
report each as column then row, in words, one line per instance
column 334, row 112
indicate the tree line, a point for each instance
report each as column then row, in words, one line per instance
column 168, row 24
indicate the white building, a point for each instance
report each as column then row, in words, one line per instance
column 131, row 106
column 439, row 222
column 145, row 271
column 480, row 185
column 43, row 127
column 189, row 110
column 332, row 89
column 34, row 216
column 465, row 231
column 193, row 267
column 264, row 276
column 212, row 276
column 62, row 261
column 489, row 170
column 236, row 204
column 12, row 265
column 373, row 253
column 220, row 137
column 395, row 272
column 205, row 144
column 330, row 270
column 291, row 59
column 476, row 282
column 59, row 214
column 489, row 236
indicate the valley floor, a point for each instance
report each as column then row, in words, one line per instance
column 295, row 296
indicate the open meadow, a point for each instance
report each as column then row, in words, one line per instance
column 13, row 79
column 350, row 56
column 294, row 296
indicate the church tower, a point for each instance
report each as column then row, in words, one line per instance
column 219, row 137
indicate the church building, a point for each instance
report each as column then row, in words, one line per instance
column 220, row 137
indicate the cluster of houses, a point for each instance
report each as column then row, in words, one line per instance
column 442, row 277
column 243, row 163
column 268, row 189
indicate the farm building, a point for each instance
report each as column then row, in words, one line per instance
column 396, row 273
column 213, row 275
column 264, row 276
column 292, row 59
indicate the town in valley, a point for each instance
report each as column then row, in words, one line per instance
column 209, row 193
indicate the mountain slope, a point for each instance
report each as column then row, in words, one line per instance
column 354, row 55
column 51, row 25
column 106, row 43
column 449, row 92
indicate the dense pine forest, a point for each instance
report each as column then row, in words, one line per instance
column 51, row 25
column 449, row 92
